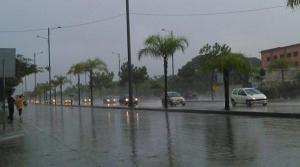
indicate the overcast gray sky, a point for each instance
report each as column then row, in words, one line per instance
column 244, row 32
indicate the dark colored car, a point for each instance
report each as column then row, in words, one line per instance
column 110, row 99
column 86, row 101
column 124, row 100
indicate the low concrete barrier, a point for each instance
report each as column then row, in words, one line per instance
column 205, row 111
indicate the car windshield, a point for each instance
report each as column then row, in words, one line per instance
column 252, row 91
column 173, row 94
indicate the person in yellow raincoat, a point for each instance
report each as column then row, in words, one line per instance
column 20, row 105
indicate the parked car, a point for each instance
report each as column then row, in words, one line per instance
column 110, row 99
column 174, row 98
column 124, row 100
column 248, row 96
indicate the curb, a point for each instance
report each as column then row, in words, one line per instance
column 202, row 111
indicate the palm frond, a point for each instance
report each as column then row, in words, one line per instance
column 293, row 3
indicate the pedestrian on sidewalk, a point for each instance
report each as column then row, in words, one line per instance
column 20, row 105
column 11, row 106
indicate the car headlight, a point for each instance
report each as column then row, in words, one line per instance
column 253, row 98
column 136, row 99
column 107, row 100
column 126, row 99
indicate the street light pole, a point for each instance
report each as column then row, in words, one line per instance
column 49, row 66
column 171, row 32
column 34, row 61
column 129, row 55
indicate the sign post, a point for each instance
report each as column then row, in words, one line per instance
column 7, row 70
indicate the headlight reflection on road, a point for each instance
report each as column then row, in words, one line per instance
column 127, row 118
column 109, row 118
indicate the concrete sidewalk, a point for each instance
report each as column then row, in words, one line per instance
column 11, row 130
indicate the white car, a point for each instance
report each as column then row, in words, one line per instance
column 248, row 96
column 174, row 99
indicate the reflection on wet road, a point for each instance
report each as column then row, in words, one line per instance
column 66, row 136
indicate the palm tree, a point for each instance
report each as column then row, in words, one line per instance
column 39, row 91
column 219, row 57
column 293, row 3
column 54, row 85
column 280, row 64
column 94, row 65
column 61, row 80
column 77, row 69
column 163, row 47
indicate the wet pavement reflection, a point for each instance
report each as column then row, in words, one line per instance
column 72, row 136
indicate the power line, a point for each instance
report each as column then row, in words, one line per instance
column 64, row 27
column 25, row 30
column 209, row 14
column 147, row 14
column 93, row 22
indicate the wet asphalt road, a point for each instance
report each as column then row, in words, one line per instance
column 72, row 136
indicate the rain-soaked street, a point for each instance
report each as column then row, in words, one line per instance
column 72, row 136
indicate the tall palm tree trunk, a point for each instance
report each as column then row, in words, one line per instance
column 78, row 86
column 61, row 99
column 166, row 82
column 40, row 98
column 226, row 88
column 282, row 75
column 91, row 87
column 212, row 85
column 55, row 96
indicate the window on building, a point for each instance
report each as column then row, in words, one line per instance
column 295, row 54
column 268, row 59
column 282, row 56
column 296, row 64
column 289, row 55
column 275, row 57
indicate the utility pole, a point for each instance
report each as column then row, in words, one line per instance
column 129, row 55
column 119, row 67
column 34, row 57
column 50, row 92
column 49, row 58
column 172, row 57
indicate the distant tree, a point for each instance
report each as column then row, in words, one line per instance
column 139, row 75
column 219, row 57
column 191, row 78
column 54, row 85
column 77, row 69
column 91, row 66
column 280, row 64
column 163, row 47
column 103, row 79
column 61, row 80
column 38, row 91
column 24, row 67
